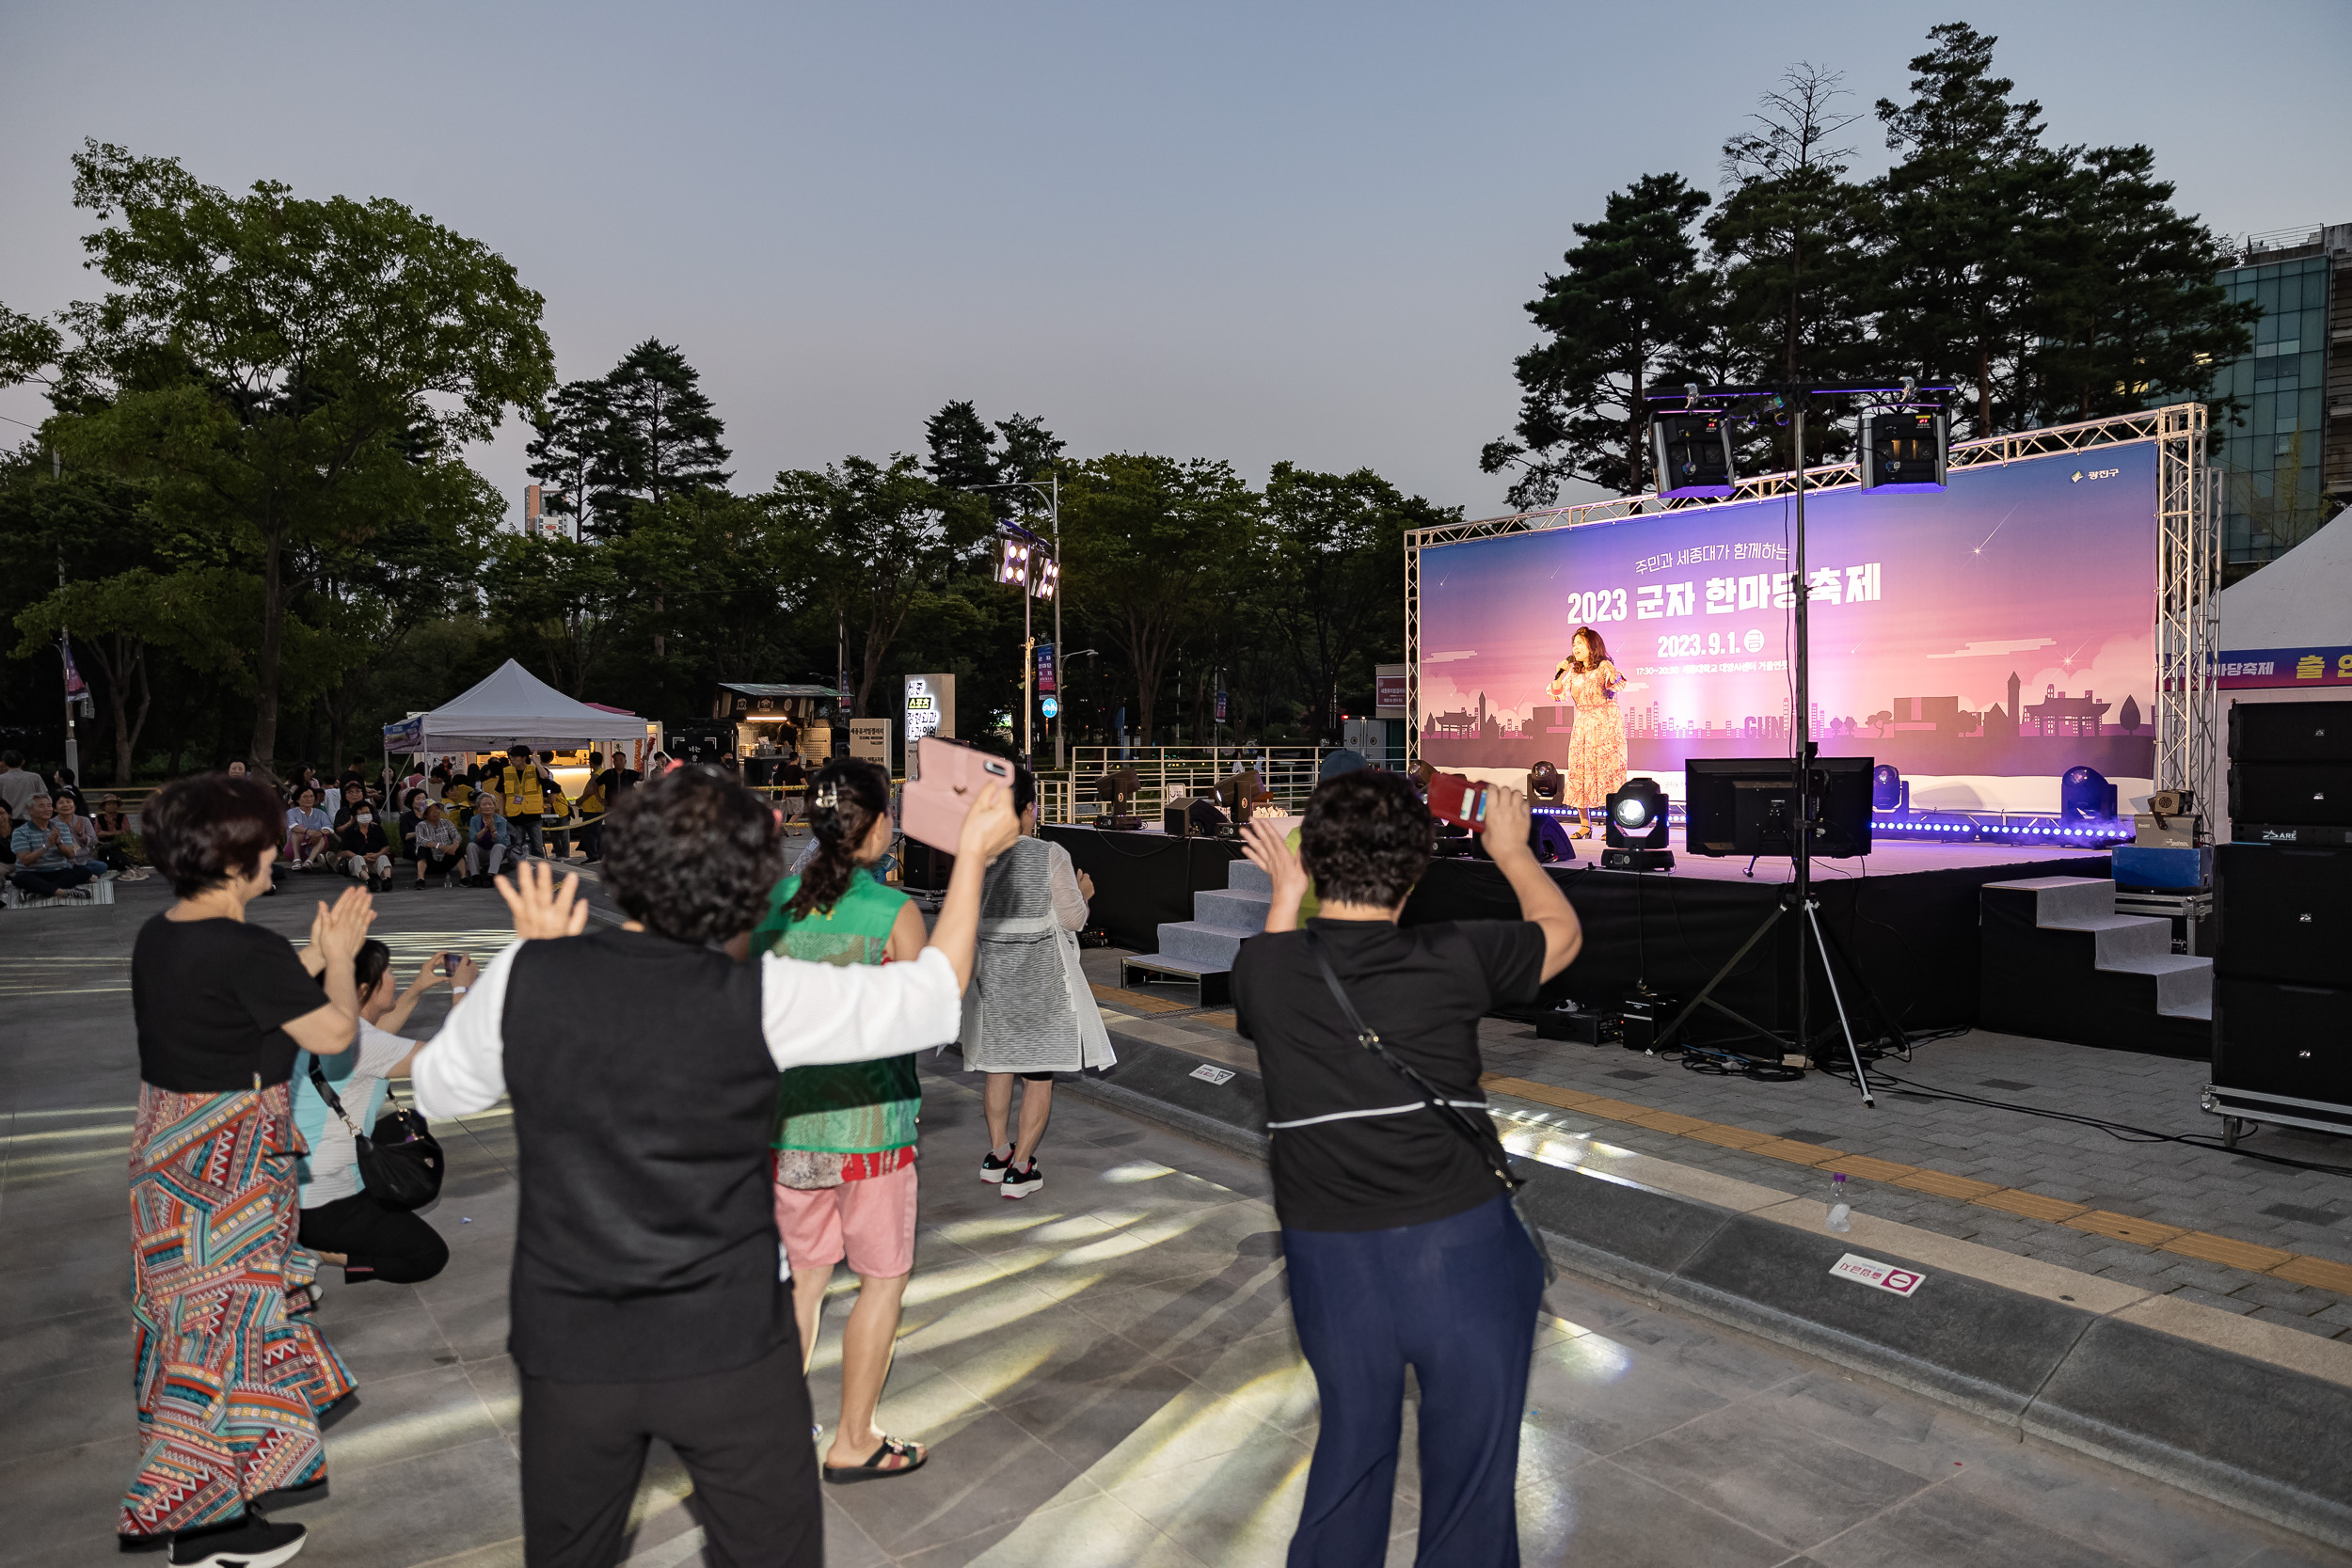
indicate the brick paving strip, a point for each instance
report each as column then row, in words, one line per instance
column 2296, row 1267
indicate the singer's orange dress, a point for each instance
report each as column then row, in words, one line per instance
column 1597, row 760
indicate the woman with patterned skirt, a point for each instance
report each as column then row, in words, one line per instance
column 229, row 1378
column 1597, row 755
column 845, row 1133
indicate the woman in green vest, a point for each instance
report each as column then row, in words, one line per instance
column 845, row 1134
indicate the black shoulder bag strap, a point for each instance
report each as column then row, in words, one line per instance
column 1486, row 1140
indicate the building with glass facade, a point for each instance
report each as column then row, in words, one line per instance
column 2286, row 458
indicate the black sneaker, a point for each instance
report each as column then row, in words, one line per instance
column 251, row 1542
column 1023, row 1181
column 993, row 1168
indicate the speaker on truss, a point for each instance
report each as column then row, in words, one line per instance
column 1902, row 449
column 1693, row 454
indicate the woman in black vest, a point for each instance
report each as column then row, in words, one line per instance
column 646, row 1297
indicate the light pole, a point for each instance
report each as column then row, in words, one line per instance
column 1052, row 492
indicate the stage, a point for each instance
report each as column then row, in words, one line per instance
column 1906, row 912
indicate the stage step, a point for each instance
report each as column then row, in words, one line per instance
column 2056, row 962
column 1203, row 948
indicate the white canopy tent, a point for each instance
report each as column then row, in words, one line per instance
column 511, row 706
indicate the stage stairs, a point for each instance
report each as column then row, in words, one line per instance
column 2056, row 962
column 1202, row 949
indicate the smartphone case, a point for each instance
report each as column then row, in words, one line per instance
column 949, row 778
column 1456, row 798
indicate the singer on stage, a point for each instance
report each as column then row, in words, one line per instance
column 1597, row 766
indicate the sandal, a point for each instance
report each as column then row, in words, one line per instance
column 1582, row 832
column 844, row 1475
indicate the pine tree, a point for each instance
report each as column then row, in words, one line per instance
column 1965, row 229
column 662, row 437
column 1628, row 314
column 575, row 430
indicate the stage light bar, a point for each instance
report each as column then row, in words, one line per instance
column 1902, row 449
column 1014, row 565
column 1693, row 454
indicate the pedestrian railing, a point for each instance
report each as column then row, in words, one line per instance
column 1165, row 773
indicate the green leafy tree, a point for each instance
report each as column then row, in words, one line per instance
column 290, row 375
column 1148, row 543
column 875, row 538
column 563, row 596
column 1628, row 314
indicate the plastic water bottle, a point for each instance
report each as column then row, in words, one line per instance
column 1840, row 1216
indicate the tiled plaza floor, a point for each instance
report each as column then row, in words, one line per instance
column 1106, row 1370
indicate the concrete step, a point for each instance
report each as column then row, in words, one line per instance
column 1231, row 911
column 2119, row 937
column 1215, row 946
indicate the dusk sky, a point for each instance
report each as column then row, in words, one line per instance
column 1253, row 232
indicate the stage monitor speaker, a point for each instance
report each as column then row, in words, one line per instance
column 1747, row 805
column 1581, row 1027
column 2291, row 794
column 2272, row 1036
column 1902, row 449
column 2291, row 732
column 2284, row 914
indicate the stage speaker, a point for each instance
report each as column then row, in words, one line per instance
column 2286, row 913
column 1693, row 452
column 2291, row 732
column 2291, row 794
column 1582, row 1028
column 2276, row 1038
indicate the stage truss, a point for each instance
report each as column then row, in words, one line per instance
column 2189, row 562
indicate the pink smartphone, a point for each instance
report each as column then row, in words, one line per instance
column 948, row 777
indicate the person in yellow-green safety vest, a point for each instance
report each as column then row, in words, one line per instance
column 525, row 789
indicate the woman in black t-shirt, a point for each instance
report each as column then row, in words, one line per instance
column 230, row 1383
column 1401, row 1244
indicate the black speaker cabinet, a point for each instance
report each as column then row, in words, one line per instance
column 2291, row 732
column 2283, row 913
column 2291, row 794
column 2294, row 1042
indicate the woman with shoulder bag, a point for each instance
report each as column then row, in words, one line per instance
column 342, row 1221
column 1404, row 1246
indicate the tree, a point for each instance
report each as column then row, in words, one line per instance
column 1784, row 239
column 1965, row 228
column 2130, row 307
column 1624, row 316
column 660, row 435
column 564, row 595
column 876, row 537
column 1334, row 589
column 575, row 433
column 1147, row 542
column 288, row 374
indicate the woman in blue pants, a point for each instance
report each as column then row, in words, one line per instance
column 1403, row 1247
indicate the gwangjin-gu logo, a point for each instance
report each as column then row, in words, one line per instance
column 2096, row 473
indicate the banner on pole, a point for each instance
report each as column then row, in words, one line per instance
column 1046, row 668
column 75, row 685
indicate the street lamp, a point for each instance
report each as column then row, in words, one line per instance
column 1051, row 589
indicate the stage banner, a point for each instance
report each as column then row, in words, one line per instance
column 2002, row 628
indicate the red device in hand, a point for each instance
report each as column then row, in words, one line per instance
column 1459, row 800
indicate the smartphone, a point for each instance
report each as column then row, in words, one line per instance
column 1456, row 798
column 948, row 777
column 449, row 963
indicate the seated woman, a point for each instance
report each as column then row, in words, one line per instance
column 116, row 837
column 309, row 831
column 342, row 1221
column 489, row 842
column 367, row 849
column 434, row 845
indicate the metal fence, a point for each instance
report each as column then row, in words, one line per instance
column 1170, row 772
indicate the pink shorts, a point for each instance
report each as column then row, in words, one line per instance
column 871, row 1223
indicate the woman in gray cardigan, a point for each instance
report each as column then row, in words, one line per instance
column 1029, row 1012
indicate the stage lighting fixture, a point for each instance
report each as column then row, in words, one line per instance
column 1048, row 578
column 1544, row 783
column 1693, row 454
column 1635, row 836
column 2085, row 796
column 1014, row 565
column 1902, row 449
column 1887, row 792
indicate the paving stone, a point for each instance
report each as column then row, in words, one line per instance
column 2206, row 1298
